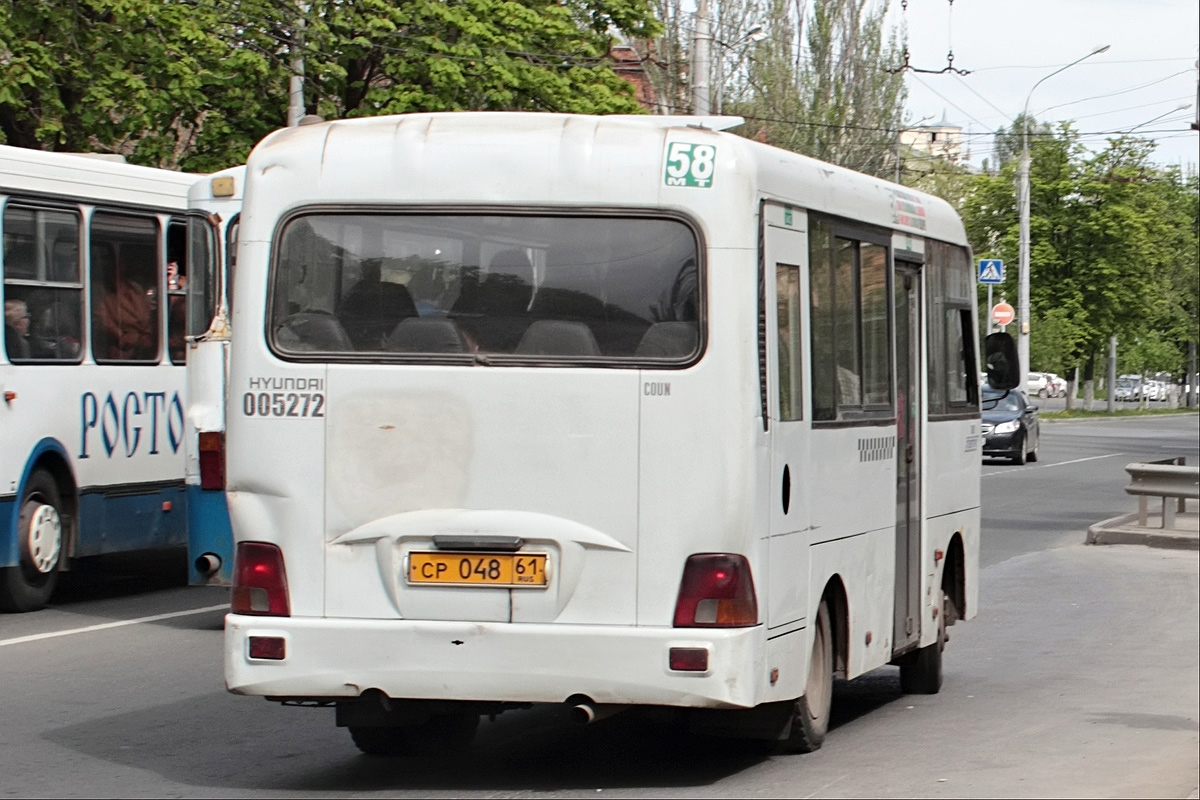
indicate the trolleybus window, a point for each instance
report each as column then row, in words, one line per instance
column 42, row 288
column 470, row 287
column 202, row 283
column 125, row 291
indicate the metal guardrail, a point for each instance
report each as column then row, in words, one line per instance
column 1170, row 479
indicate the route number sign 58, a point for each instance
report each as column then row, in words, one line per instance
column 690, row 164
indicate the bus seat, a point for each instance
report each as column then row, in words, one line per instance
column 552, row 337
column 372, row 309
column 502, row 311
column 310, row 331
column 426, row 335
column 508, row 287
column 668, row 340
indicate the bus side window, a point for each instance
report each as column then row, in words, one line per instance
column 43, row 313
column 177, row 280
column 787, row 281
column 851, row 344
column 125, row 307
column 953, row 377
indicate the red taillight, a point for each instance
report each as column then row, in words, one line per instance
column 212, row 460
column 688, row 659
column 273, row 648
column 259, row 581
column 717, row 591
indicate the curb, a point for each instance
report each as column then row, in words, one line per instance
column 1125, row 530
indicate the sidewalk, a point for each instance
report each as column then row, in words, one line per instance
column 1125, row 530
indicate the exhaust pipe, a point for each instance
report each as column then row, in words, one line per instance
column 208, row 564
column 586, row 712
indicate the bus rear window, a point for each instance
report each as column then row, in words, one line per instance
column 472, row 287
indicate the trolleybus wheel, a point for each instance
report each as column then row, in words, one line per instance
column 40, row 543
column 810, row 713
column 921, row 672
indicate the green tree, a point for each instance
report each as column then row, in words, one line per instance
column 1113, row 248
column 821, row 85
column 148, row 79
column 382, row 57
column 194, row 83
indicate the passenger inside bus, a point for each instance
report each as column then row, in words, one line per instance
column 177, row 308
column 495, row 313
column 123, row 315
column 16, row 330
column 373, row 307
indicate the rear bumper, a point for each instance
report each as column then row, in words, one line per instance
column 497, row 662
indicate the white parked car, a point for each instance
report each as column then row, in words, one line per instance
column 1037, row 385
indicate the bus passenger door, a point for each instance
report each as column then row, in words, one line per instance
column 785, row 295
column 906, row 286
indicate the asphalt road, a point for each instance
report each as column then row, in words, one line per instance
column 1081, row 677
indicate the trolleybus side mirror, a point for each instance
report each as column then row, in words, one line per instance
column 1002, row 364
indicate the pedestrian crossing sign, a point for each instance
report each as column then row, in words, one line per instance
column 991, row 270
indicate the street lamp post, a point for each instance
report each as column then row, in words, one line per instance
column 1023, row 210
column 754, row 35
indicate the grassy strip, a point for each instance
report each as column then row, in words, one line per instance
column 1079, row 413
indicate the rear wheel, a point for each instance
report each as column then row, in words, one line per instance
column 443, row 735
column 810, row 713
column 40, row 534
column 921, row 672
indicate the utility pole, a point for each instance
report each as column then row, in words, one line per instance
column 701, row 47
column 296, row 83
column 1196, row 124
column 1110, row 377
column 1023, row 211
column 1193, row 390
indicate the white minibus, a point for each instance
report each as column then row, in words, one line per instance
column 91, row 372
column 603, row 411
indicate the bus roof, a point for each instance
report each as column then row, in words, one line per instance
column 80, row 177
column 570, row 160
column 222, row 185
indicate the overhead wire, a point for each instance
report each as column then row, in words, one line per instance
column 1114, row 94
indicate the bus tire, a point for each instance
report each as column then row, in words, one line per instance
column 921, row 672
column 376, row 741
column 40, row 546
column 442, row 735
column 810, row 713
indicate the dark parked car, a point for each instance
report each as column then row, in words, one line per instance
column 1010, row 426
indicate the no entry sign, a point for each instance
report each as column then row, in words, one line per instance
column 1002, row 314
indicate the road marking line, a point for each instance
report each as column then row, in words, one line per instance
column 1044, row 466
column 826, row 786
column 104, row 626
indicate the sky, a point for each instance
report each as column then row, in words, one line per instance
column 1007, row 46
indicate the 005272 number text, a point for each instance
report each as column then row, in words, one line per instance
column 283, row 404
